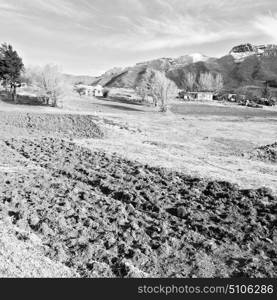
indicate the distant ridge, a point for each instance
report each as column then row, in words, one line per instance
column 242, row 51
column 245, row 64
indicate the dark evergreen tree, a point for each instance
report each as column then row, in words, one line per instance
column 11, row 67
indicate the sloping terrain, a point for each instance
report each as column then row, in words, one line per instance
column 243, row 51
column 106, row 216
column 75, row 79
column 131, row 76
column 253, row 69
column 244, row 65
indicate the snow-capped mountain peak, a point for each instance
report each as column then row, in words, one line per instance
column 196, row 57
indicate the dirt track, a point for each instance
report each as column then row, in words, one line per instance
column 106, row 216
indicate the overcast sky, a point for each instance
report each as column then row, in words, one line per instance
column 92, row 36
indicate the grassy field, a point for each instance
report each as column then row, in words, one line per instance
column 199, row 139
column 226, row 110
column 208, row 145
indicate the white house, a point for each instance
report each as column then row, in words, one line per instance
column 198, row 96
column 96, row 91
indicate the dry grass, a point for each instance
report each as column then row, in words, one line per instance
column 205, row 146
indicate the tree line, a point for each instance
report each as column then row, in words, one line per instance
column 156, row 86
column 204, row 82
column 47, row 81
column 49, row 85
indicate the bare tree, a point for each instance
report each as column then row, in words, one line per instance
column 144, row 87
column 162, row 89
column 48, row 81
column 206, row 82
column 218, row 83
column 79, row 90
column 266, row 91
column 210, row 83
column 156, row 85
column 190, row 81
column 142, row 91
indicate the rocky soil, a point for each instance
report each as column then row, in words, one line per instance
column 70, row 126
column 265, row 153
column 21, row 256
column 104, row 216
column 242, row 51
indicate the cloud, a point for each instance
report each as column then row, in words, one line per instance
column 137, row 25
column 144, row 33
column 267, row 24
column 49, row 8
column 169, row 24
column 125, row 31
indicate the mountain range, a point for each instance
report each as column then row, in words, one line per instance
column 244, row 65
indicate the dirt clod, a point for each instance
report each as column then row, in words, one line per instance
column 265, row 153
column 151, row 223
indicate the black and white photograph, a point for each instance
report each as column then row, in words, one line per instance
column 138, row 139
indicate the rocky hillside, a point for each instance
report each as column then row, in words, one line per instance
column 244, row 65
column 130, row 77
column 242, row 51
column 253, row 70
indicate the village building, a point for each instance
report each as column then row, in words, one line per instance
column 93, row 91
column 97, row 91
column 198, row 96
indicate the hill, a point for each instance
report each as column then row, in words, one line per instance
column 253, row 70
column 239, row 68
column 130, row 77
column 73, row 79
